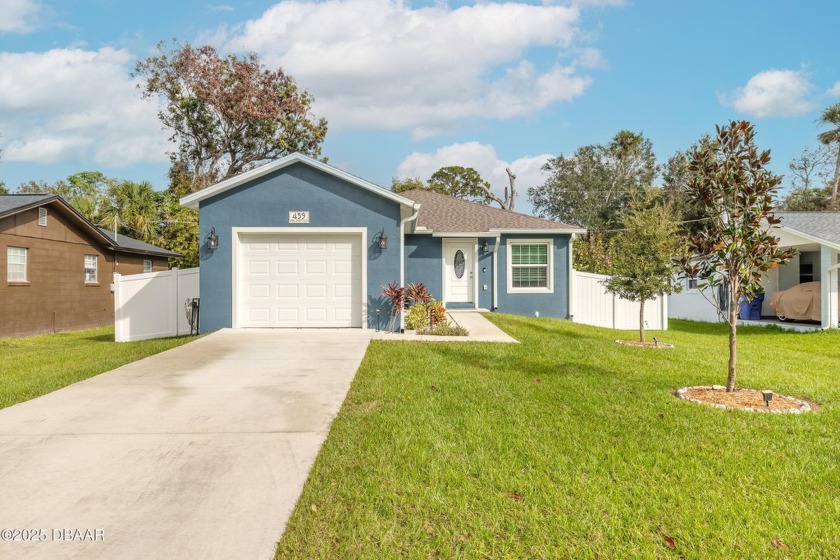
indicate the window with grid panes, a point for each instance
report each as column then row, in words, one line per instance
column 16, row 264
column 529, row 265
column 90, row 268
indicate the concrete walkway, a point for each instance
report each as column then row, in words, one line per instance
column 198, row 452
column 479, row 329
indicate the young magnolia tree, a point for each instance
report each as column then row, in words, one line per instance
column 734, row 192
column 644, row 253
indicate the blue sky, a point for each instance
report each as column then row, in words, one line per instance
column 410, row 86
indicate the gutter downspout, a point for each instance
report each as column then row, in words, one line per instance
column 572, row 280
column 404, row 221
column 495, row 305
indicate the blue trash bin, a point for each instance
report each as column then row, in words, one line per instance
column 755, row 307
column 744, row 308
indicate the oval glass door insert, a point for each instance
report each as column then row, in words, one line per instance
column 460, row 264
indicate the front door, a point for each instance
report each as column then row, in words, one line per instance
column 458, row 264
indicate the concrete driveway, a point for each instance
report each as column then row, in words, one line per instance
column 198, row 452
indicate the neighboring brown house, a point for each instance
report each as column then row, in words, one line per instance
column 58, row 267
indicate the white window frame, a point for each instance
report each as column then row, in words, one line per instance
column 549, row 288
column 42, row 217
column 95, row 269
column 9, row 250
column 688, row 281
column 151, row 266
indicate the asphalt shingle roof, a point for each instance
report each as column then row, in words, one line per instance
column 9, row 203
column 442, row 213
column 825, row 225
column 125, row 242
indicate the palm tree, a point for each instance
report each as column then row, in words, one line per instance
column 136, row 207
column 832, row 116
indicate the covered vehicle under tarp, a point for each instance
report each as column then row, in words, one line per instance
column 802, row 302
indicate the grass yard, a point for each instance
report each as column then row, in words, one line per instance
column 31, row 367
column 571, row 446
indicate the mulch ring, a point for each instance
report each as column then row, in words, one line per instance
column 646, row 344
column 743, row 399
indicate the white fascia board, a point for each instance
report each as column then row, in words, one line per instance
column 538, row 231
column 472, row 234
column 808, row 237
column 192, row 200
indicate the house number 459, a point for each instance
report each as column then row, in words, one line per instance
column 298, row 217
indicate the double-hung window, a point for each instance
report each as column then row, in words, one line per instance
column 16, row 258
column 91, row 262
column 530, row 266
column 147, row 265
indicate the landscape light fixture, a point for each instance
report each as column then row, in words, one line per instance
column 768, row 396
column 381, row 240
column 212, row 240
column 656, row 341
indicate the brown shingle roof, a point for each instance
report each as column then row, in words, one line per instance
column 442, row 213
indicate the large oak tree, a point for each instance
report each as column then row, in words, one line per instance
column 227, row 114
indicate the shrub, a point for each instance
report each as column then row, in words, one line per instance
column 417, row 293
column 437, row 313
column 418, row 317
column 396, row 297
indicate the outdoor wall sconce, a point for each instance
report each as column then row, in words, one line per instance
column 485, row 247
column 381, row 240
column 213, row 240
column 768, row 396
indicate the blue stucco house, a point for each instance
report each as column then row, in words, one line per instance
column 299, row 243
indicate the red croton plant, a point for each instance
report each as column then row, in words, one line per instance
column 733, row 190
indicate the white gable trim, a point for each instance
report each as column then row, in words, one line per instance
column 192, row 200
column 808, row 237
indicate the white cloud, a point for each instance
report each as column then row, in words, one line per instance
column 773, row 93
column 67, row 104
column 384, row 64
column 834, row 91
column 18, row 16
column 484, row 159
column 220, row 8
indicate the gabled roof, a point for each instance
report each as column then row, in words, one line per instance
column 442, row 214
column 818, row 225
column 192, row 200
column 15, row 203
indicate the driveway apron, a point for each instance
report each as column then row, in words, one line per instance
column 198, row 452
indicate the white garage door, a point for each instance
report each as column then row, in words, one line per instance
column 299, row 280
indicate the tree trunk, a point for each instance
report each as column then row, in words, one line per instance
column 733, row 341
column 834, row 188
column 642, row 321
column 511, row 203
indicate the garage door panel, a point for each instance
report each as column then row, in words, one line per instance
column 289, row 316
column 287, row 291
column 342, row 292
column 316, row 291
column 315, row 266
column 304, row 280
column 342, row 267
column 287, row 267
column 259, row 291
column 258, row 267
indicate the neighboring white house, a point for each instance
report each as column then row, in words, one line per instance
column 816, row 236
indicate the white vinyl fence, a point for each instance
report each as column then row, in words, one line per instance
column 152, row 305
column 593, row 305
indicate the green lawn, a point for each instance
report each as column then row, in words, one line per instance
column 571, row 446
column 31, row 367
